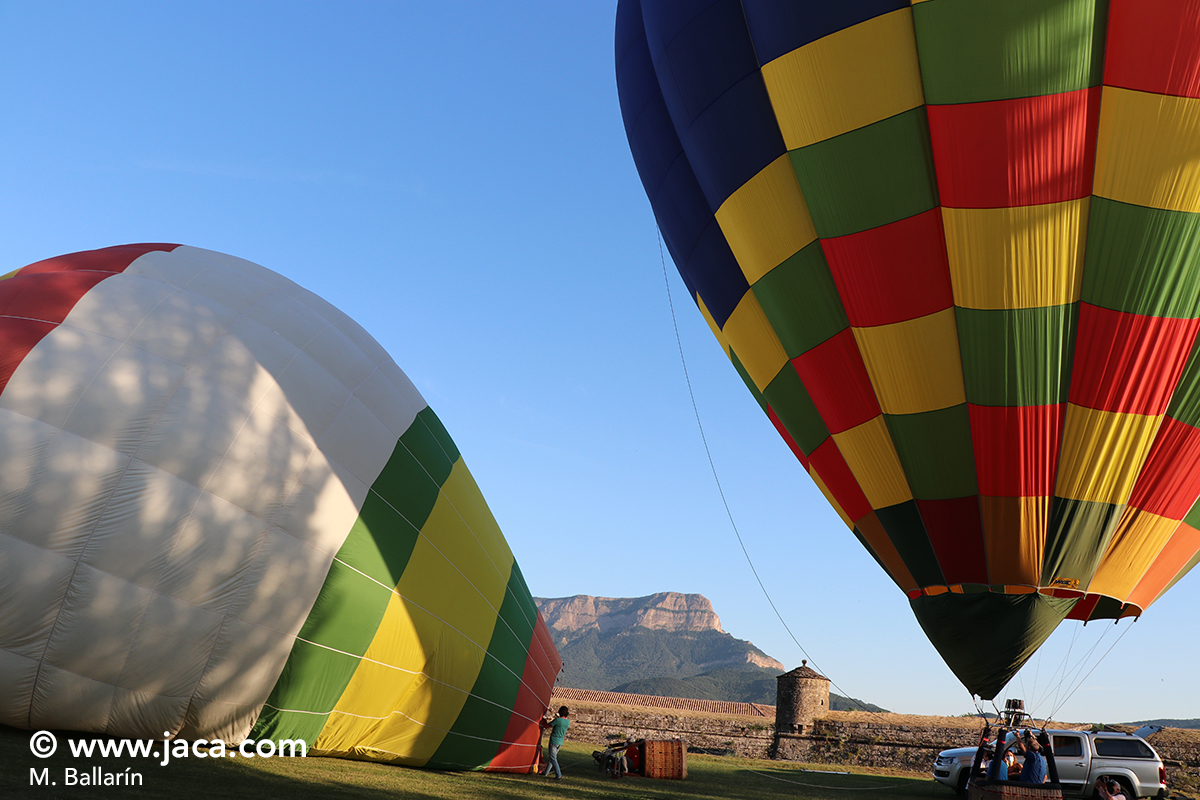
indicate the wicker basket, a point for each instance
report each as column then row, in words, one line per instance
column 665, row 758
column 1012, row 790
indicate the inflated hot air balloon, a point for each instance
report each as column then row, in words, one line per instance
column 953, row 249
column 225, row 513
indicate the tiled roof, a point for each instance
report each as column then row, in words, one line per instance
column 670, row 703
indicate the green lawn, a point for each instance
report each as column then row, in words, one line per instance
column 313, row 778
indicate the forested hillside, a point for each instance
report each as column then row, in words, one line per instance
column 668, row 644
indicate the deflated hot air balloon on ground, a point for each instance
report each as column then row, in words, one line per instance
column 952, row 249
column 225, row 512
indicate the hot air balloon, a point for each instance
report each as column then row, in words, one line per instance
column 225, row 512
column 951, row 247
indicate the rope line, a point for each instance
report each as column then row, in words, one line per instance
column 563, row 764
column 1037, row 671
column 1068, row 673
column 1062, row 666
column 691, row 393
column 1093, row 669
column 820, row 786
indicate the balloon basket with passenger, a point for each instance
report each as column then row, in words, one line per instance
column 649, row 758
column 991, row 771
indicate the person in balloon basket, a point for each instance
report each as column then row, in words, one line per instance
column 1009, row 765
column 1034, row 770
column 1006, row 767
column 630, row 760
column 1109, row 789
column 558, row 734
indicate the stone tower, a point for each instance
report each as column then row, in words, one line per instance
column 801, row 696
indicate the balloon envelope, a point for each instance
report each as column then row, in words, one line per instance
column 951, row 248
column 226, row 512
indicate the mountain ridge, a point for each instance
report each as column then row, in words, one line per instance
column 684, row 624
column 668, row 644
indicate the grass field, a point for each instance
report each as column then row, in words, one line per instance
column 313, row 778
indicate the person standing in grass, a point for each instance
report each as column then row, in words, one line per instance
column 558, row 735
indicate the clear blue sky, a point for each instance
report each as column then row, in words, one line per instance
column 455, row 177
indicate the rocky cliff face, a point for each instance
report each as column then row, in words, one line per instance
column 667, row 611
column 570, row 619
column 761, row 660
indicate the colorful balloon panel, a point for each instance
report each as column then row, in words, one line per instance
column 226, row 512
column 950, row 247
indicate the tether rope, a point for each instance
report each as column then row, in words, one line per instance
column 820, row 786
column 1065, row 668
column 679, row 341
column 576, row 762
column 1093, row 669
column 1066, row 672
column 1062, row 666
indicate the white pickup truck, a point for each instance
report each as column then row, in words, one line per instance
column 1082, row 757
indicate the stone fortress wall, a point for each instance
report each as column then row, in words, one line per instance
column 801, row 727
column 840, row 737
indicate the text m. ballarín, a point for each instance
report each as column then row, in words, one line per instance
column 96, row 776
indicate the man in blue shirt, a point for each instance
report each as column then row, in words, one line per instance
column 558, row 735
column 1034, row 770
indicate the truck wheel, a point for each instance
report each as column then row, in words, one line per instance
column 962, row 784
